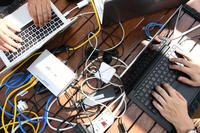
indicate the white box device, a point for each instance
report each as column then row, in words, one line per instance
column 52, row 73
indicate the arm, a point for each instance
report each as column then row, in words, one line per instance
column 40, row 10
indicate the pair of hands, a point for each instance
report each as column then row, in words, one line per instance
column 170, row 103
column 40, row 11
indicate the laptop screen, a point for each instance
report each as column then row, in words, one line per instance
column 110, row 11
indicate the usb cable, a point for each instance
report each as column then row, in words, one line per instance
column 79, row 5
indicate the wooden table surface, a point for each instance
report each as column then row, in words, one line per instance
column 135, row 120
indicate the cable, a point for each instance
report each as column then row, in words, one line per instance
column 53, row 128
column 68, row 12
column 99, row 29
column 4, row 107
column 15, row 102
column 116, row 45
column 5, row 77
column 50, row 118
column 79, row 5
column 150, row 25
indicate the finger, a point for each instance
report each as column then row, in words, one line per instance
column 159, row 98
column 45, row 15
column 13, row 27
column 181, row 69
column 157, row 106
column 169, row 89
column 181, row 60
column 9, row 47
column 32, row 11
column 162, row 92
column 12, row 35
column 49, row 9
column 40, row 15
column 9, row 41
column 4, row 49
column 186, row 81
column 185, row 54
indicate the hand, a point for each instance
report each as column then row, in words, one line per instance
column 173, row 107
column 191, row 68
column 40, row 11
column 8, row 36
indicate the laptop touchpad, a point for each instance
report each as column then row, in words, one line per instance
column 188, row 92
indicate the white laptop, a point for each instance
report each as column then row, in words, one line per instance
column 33, row 37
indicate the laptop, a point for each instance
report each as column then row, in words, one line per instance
column 34, row 37
column 151, row 68
column 115, row 11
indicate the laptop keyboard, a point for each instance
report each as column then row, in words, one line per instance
column 31, row 34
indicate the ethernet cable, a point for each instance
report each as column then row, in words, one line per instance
column 99, row 29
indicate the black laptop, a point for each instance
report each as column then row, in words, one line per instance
column 151, row 68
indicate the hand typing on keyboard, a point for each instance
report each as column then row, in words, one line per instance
column 40, row 10
column 191, row 67
column 8, row 39
column 173, row 107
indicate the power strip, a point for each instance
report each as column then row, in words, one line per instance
column 102, row 122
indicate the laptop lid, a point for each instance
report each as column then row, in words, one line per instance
column 110, row 11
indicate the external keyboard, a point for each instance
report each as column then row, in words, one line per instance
column 160, row 73
column 31, row 34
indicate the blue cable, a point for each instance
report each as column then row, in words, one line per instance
column 150, row 25
column 11, row 83
column 45, row 115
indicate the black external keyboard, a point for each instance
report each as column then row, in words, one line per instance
column 31, row 34
column 160, row 73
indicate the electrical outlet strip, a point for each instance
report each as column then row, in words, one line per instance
column 102, row 122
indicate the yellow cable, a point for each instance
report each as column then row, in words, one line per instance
column 99, row 29
column 14, row 91
column 5, row 77
column 15, row 103
column 17, row 123
column 26, row 111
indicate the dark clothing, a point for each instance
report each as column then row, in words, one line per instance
column 5, row 2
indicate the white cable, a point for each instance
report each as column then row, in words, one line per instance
column 94, row 49
column 122, row 39
column 68, row 12
column 177, row 19
column 79, row 5
column 49, row 124
column 51, row 118
column 119, row 105
column 125, row 108
column 186, row 32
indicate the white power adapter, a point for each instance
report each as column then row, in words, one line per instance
column 102, row 122
column 105, row 72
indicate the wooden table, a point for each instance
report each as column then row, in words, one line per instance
column 135, row 120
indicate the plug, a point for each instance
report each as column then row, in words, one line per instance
column 22, row 105
column 83, row 3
